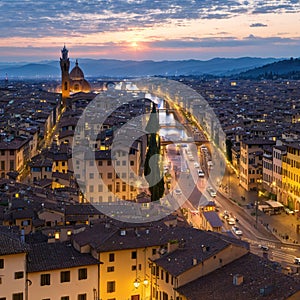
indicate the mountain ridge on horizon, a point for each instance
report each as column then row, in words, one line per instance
column 217, row 66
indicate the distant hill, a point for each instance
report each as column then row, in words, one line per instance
column 129, row 68
column 31, row 71
column 285, row 69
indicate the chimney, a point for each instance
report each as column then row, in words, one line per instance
column 22, row 235
column 238, row 279
column 172, row 245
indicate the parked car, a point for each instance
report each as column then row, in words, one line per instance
column 288, row 211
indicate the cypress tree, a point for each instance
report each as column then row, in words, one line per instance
column 153, row 174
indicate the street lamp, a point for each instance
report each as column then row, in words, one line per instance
column 136, row 283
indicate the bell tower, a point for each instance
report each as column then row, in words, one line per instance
column 65, row 77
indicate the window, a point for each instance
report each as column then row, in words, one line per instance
column 110, row 269
column 99, row 162
column 82, row 273
column 100, row 188
column 45, row 279
column 133, row 268
column 81, row 297
column 91, row 175
column 109, row 187
column 111, row 257
column 18, row 296
column 132, row 162
column 19, row 275
column 65, row 298
column 167, row 277
column 65, row 276
column 1, row 263
column 91, row 188
column 11, row 164
column 3, row 298
column 11, row 152
column 109, row 175
column 111, row 286
column 2, row 165
column 133, row 255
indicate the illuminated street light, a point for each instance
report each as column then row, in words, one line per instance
column 136, row 283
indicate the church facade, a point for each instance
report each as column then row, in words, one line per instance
column 74, row 81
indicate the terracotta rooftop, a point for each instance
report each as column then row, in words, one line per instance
column 44, row 256
column 257, row 273
column 11, row 243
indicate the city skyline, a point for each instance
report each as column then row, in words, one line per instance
column 154, row 30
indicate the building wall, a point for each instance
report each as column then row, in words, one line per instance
column 277, row 171
column 250, row 166
column 56, row 289
column 126, row 270
column 161, row 285
column 8, row 284
column 13, row 160
column 267, row 175
column 291, row 178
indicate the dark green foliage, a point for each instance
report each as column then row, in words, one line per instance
column 228, row 150
column 152, row 171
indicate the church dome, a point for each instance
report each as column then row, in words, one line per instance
column 76, row 73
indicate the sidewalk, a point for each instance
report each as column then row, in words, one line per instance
column 282, row 227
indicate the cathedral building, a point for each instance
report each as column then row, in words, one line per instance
column 74, row 81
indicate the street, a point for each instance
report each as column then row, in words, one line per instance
column 184, row 160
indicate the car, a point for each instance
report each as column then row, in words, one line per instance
column 177, row 192
column 263, row 247
column 297, row 260
column 236, row 230
column 289, row 211
column 211, row 191
column 231, row 221
column 196, row 165
column 225, row 214
column 200, row 173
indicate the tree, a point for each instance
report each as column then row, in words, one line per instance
column 152, row 171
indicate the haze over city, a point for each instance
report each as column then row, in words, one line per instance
column 147, row 29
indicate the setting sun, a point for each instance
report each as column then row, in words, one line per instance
column 134, row 44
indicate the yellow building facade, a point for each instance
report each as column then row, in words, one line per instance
column 291, row 177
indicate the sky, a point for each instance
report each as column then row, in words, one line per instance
column 148, row 29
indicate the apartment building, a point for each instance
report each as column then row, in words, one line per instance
column 251, row 166
column 14, row 153
column 56, row 271
column 279, row 152
column 291, row 176
column 13, row 278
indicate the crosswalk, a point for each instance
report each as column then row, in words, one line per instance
column 274, row 254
